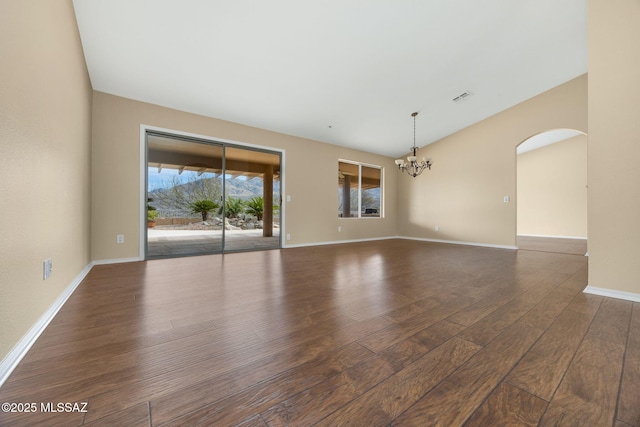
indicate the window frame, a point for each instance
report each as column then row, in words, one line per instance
column 360, row 165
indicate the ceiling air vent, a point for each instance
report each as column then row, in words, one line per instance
column 463, row 96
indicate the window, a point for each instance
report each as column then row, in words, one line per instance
column 359, row 190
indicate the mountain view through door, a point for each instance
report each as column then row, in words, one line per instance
column 204, row 197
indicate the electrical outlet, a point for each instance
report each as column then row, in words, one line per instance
column 47, row 267
column 288, row 236
column 339, row 229
column 120, row 238
column 437, row 228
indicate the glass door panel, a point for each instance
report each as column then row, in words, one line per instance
column 252, row 199
column 184, row 197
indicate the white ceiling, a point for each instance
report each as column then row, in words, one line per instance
column 346, row 72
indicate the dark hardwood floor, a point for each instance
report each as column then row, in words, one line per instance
column 394, row 332
column 553, row 244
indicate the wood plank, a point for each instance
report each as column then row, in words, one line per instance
column 588, row 392
column 410, row 310
column 559, row 245
column 465, row 390
column 336, row 390
column 561, row 263
column 585, row 303
column 219, row 377
column 545, row 312
column 252, row 421
column 586, row 395
column 91, row 377
column 413, row 348
column 485, row 330
column 372, row 305
column 578, row 280
column 261, row 396
column 612, row 321
column 91, row 352
column 541, row 369
column 39, row 418
column 508, row 406
column 136, row 416
column 473, row 313
column 629, row 396
column 242, row 337
column 383, row 403
column 397, row 332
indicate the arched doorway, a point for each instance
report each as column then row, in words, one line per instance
column 552, row 192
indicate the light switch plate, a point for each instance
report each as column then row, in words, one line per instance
column 47, row 266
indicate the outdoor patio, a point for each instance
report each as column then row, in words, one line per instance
column 167, row 243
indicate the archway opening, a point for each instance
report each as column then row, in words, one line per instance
column 552, row 192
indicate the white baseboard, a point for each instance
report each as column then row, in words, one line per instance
column 554, row 237
column 14, row 357
column 456, row 242
column 116, row 261
column 336, row 242
column 612, row 293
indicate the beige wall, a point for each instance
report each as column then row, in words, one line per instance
column 475, row 168
column 45, row 125
column 614, row 145
column 311, row 176
column 552, row 189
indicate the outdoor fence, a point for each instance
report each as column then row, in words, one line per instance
column 183, row 216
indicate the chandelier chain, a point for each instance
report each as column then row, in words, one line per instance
column 414, row 131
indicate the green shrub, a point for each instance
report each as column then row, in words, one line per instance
column 152, row 213
column 202, row 207
column 233, row 207
column 255, row 206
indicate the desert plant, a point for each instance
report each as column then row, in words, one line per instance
column 233, row 207
column 255, row 206
column 152, row 212
column 202, row 207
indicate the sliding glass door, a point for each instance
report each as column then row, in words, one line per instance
column 252, row 199
column 184, row 192
column 205, row 197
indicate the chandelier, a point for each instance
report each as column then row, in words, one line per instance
column 412, row 166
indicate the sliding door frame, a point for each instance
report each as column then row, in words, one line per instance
column 144, row 129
